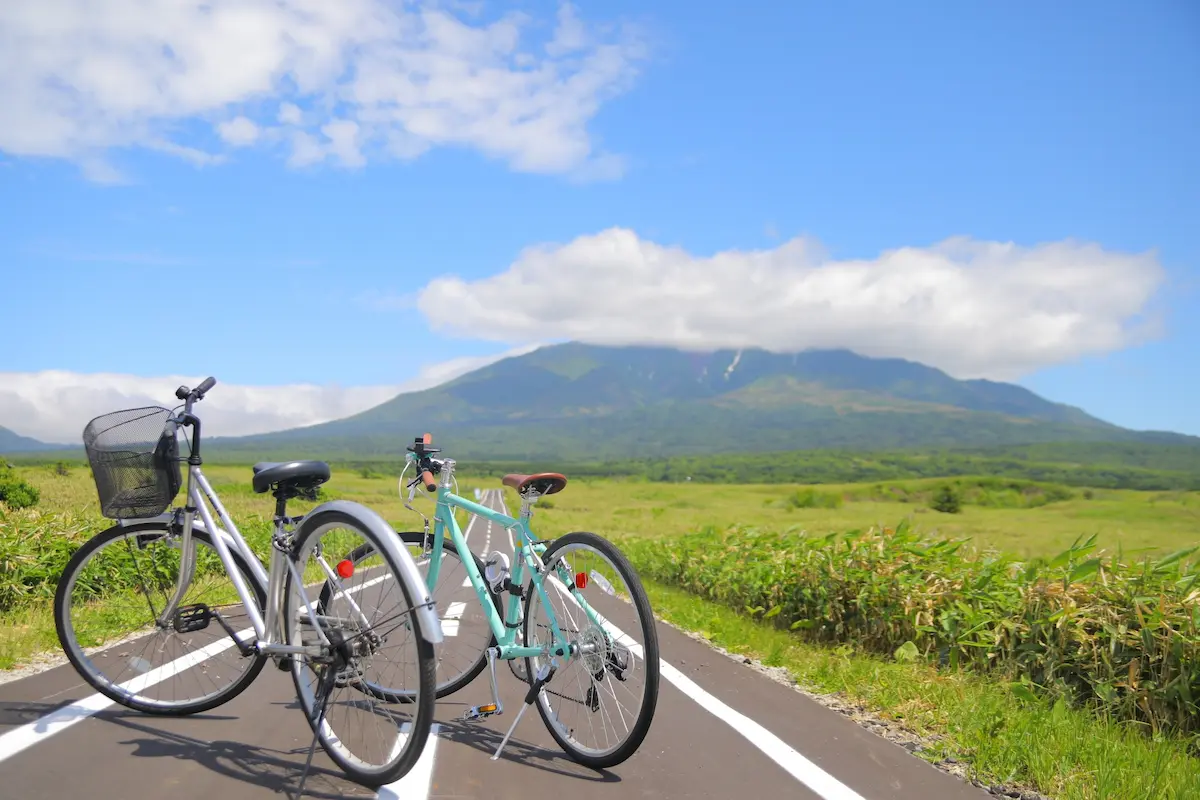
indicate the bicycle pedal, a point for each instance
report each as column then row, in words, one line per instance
column 189, row 619
column 477, row 713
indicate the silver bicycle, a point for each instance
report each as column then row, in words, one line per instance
column 135, row 605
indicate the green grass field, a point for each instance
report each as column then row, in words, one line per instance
column 1135, row 522
column 36, row 543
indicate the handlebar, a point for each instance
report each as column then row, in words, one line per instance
column 183, row 393
column 421, row 454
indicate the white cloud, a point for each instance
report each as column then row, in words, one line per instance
column 345, row 80
column 974, row 309
column 54, row 406
column 239, row 131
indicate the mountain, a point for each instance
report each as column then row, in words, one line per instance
column 11, row 442
column 573, row 402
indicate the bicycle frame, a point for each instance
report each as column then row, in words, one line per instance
column 226, row 538
column 527, row 556
column 267, row 622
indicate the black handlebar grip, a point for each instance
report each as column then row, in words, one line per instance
column 203, row 388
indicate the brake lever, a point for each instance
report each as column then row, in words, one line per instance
column 412, row 492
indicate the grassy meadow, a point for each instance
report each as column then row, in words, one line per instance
column 1131, row 521
column 1024, row 518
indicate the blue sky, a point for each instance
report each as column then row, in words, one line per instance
column 860, row 127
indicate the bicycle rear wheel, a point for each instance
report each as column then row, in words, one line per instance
column 371, row 620
column 462, row 654
column 601, row 608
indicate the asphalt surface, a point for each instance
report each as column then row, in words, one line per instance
column 721, row 730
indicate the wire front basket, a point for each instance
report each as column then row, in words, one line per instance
column 135, row 462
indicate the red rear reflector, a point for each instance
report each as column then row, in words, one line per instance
column 581, row 580
column 345, row 568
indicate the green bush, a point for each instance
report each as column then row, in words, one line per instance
column 812, row 498
column 946, row 500
column 1122, row 638
column 15, row 492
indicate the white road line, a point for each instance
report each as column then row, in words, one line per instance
column 60, row 719
column 470, row 525
column 454, row 613
column 466, row 584
column 416, row 783
column 779, row 751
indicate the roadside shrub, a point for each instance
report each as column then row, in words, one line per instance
column 15, row 492
column 1121, row 638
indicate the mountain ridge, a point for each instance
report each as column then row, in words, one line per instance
column 13, row 442
column 583, row 401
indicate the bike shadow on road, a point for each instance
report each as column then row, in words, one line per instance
column 518, row 751
column 277, row 771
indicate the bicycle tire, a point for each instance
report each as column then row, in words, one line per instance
column 649, row 642
column 418, row 538
column 424, row 694
column 74, row 652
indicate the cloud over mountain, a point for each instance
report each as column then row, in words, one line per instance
column 972, row 308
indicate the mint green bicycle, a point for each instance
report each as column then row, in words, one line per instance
column 565, row 624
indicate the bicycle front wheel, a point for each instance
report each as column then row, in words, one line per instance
column 107, row 608
column 593, row 706
column 371, row 621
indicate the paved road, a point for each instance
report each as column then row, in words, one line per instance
column 721, row 730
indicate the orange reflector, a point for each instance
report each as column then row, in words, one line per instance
column 581, row 580
column 488, row 708
column 345, row 568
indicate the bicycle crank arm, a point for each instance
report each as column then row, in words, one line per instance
column 195, row 617
column 487, row 709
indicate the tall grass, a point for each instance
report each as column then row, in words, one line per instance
column 35, row 546
column 1123, row 639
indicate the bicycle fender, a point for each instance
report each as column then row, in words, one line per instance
column 431, row 626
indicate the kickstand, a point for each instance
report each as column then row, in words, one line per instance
column 544, row 674
column 323, row 691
